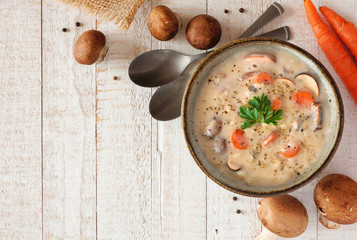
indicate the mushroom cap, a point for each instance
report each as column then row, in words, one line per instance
column 260, row 58
column 203, row 32
column 89, row 46
column 309, row 83
column 283, row 215
column 163, row 23
column 336, row 196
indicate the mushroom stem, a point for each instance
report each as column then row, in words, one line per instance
column 102, row 54
column 327, row 223
column 266, row 235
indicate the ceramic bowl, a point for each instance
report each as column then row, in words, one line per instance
column 324, row 79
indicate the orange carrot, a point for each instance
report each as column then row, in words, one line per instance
column 290, row 152
column 277, row 104
column 239, row 140
column 333, row 49
column 271, row 138
column 265, row 78
column 303, row 98
column 346, row 31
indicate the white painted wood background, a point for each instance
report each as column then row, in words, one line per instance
column 80, row 156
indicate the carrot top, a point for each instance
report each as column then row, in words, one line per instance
column 345, row 30
column 319, row 27
column 332, row 17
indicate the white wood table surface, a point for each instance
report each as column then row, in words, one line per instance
column 80, row 155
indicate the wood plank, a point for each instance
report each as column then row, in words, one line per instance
column 124, row 137
column 180, row 201
column 153, row 190
column 20, row 111
column 223, row 221
column 69, row 143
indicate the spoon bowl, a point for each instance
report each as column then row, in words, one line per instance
column 165, row 104
column 159, row 67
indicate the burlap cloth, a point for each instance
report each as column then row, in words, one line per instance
column 120, row 11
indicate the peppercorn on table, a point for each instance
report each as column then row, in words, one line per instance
column 81, row 157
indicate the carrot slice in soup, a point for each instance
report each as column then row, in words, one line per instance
column 239, row 140
column 303, row 98
column 277, row 104
column 290, row 151
column 265, row 78
column 271, row 138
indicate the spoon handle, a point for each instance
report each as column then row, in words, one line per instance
column 272, row 12
column 282, row 33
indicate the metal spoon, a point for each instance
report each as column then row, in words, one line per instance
column 158, row 67
column 166, row 102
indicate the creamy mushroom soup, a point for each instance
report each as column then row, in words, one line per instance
column 256, row 144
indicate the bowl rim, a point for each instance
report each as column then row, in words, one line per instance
column 321, row 67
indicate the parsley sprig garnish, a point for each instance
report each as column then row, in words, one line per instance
column 260, row 111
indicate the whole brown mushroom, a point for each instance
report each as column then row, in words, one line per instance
column 335, row 196
column 282, row 216
column 164, row 23
column 90, row 47
column 203, row 32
